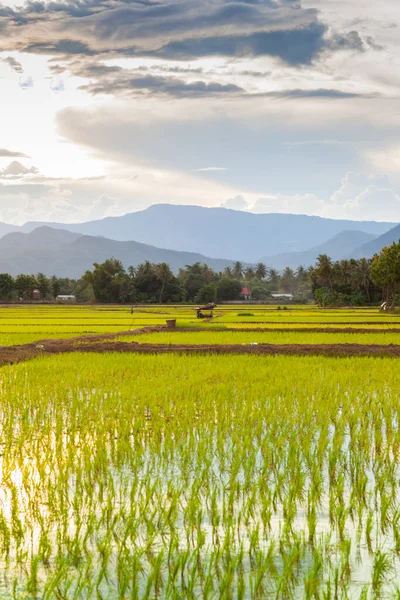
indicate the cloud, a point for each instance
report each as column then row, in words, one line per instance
column 354, row 184
column 377, row 203
column 16, row 169
column 159, row 85
column 236, row 203
column 13, row 63
column 10, row 154
column 360, row 197
column 173, row 29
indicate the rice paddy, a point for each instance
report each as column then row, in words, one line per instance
column 175, row 476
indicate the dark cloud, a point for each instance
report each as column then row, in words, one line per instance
column 10, row 154
column 296, row 46
column 160, row 85
column 60, row 47
column 174, row 29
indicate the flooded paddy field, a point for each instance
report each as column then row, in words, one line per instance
column 139, row 462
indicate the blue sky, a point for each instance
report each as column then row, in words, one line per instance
column 261, row 105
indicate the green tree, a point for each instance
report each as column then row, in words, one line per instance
column 208, row 293
column 25, row 284
column 261, row 271
column 274, row 277
column 237, row 271
column 109, row 281
column 228, row 289
column 363, row 276
column 6, row 286
column 43, row 285
column 288, row 281
column 385, row 272
column 164, row 275
column 55, row 285
column 324, row 270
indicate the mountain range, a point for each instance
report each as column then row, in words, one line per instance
column 68, row 254
column 181, row 235
column 219, row 232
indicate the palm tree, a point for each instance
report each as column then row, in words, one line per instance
column 249, row 274
column 324, row 270
column 288, row 280
column 261, row 271
column 207, row 272
column 228, row 272
column 273, row 277
column 164, row 274
column 238, row 270
column 363, row 275
column 344, row 272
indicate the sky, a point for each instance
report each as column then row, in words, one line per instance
column 288, row 106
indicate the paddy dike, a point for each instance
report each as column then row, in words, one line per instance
column 106, row 343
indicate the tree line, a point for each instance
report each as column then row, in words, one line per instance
column 358, row 282
column 329, row 283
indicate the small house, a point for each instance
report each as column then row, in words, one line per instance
column 246, row 293
column 36, row 295
column 66, row 298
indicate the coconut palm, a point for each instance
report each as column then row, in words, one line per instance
column 363, row 275
column 273, row 277
column 164, row 275
column 324, row 270
column 261, row 271
column 238, row 270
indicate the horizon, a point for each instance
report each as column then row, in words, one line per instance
column 247, row 212
column 267, row 106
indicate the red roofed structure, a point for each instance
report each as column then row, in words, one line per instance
column 246, row 293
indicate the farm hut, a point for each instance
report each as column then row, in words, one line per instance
column 246, row 293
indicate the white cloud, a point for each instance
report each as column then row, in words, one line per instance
column 236, row 203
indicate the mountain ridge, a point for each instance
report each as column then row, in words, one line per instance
column 218, row 232
column 74, row 257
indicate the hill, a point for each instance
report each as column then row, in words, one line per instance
column 338, row 247
column 376, row 245
column 220, row 232
column 73, row 254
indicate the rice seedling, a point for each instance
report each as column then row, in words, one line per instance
column 199, row 477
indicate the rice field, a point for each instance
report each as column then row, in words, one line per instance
column 261, row 337
column 169, row 476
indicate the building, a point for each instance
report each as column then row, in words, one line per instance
column 246, row 293
column 36, row 295
column 278, row 295
column 65, row 298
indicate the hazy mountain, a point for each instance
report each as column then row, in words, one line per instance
column 338, row 247
column 73, row 254
column 220, row 232
column 376, row 245
column 41, row 238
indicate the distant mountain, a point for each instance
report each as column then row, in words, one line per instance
column 66, row 254
column 338, row 247
column 40, row 238
column 220, row 232
column 376, row 245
